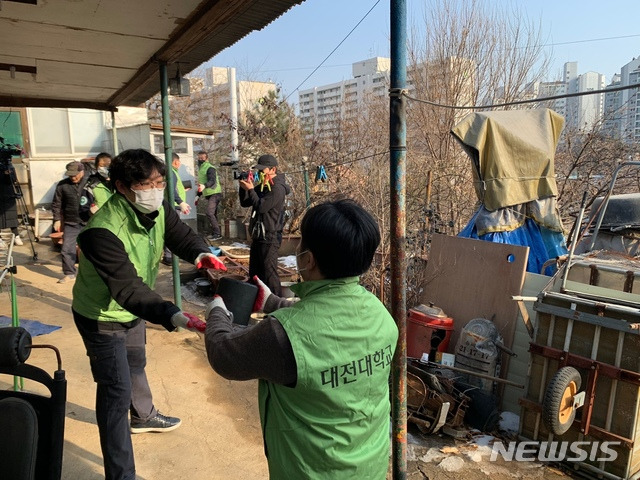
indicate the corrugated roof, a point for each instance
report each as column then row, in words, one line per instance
column 105, row 54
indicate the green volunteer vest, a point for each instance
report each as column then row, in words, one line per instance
column 180, row 187
column 91, row 297
column 202, row 179
column 335, row 423
column 101, row 194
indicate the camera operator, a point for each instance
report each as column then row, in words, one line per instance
column 8, row 200
column 267, row 219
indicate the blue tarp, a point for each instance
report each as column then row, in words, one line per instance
column 544, row 244
column 34, row 327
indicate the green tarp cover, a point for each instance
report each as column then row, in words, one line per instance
column 512, row 152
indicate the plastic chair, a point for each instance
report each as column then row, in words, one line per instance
column 29, row 440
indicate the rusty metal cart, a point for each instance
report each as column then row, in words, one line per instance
column 584, row 378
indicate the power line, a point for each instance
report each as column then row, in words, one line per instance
column 305, row 68
column 587, row 40
column 342, row 163
column 521, row 102
column 333, row 51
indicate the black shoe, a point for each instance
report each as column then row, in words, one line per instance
column 213, row 238
column 159, row 423
column 166, row 261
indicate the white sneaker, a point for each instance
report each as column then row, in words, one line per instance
column 18, row 241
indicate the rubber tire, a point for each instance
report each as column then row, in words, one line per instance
column 553, row 396
column 15, row 346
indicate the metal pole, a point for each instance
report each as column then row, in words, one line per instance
column 305, row 171
column 233, row 99
column 114, row 133
column 398, row 166
column 168, row 153
column 18, row 382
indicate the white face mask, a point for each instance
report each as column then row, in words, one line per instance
column 104, row 171
column 300, row 270
column 148, row 201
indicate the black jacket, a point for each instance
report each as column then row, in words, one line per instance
column 107, row 254
column 267, row 209
column 66, row 201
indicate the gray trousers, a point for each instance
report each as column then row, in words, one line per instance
column 69, row 256
column 212, row 212
column 118, row 359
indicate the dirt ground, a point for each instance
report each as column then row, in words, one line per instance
column 220, row 435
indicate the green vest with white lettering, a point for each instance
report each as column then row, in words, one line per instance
column 91, row 297
column 202, row 179
column 334, row 424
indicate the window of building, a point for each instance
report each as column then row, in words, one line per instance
column 87, row 131
column 179, row 144
column 61, row 131
column 51, row 132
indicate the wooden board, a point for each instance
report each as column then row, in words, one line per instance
column 471, row 279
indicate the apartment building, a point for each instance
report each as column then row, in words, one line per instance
column 322, row 108
column 622, row 108
column 582, row 113
column 248, row 93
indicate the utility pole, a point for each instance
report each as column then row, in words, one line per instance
column 233, row 95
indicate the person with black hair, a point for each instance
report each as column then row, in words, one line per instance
column 210, row 189
column 266, row 199
column 97, row 190
column 121, row 248
column 179, row 198
column 324, row 361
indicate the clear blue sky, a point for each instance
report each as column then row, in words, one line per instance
column 288, row 50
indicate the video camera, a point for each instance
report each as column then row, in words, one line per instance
column 243, row 175
column 7, row 151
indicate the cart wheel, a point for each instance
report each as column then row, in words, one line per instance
column 557, row 407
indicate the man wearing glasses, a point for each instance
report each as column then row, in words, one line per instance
column 121, row 248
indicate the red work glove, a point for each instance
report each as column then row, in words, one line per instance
column 188, row 321
column 209, row 260
column 263, row 293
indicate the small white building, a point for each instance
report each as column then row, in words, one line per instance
column 53, row 137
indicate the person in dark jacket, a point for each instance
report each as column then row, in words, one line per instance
column 8, row 206
column 121, row 247
column 66, row 215
column 266, row 200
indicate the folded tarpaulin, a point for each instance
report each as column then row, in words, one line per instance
column 544, row 244
column 512, row 153
column 543, row 211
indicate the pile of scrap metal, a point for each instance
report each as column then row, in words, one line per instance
column 433, row 401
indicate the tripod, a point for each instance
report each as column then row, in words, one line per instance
column 7, row 168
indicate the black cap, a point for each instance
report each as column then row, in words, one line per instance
column 73, row 169
column 266, row 161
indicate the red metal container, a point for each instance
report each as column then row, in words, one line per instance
column 428, row 331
